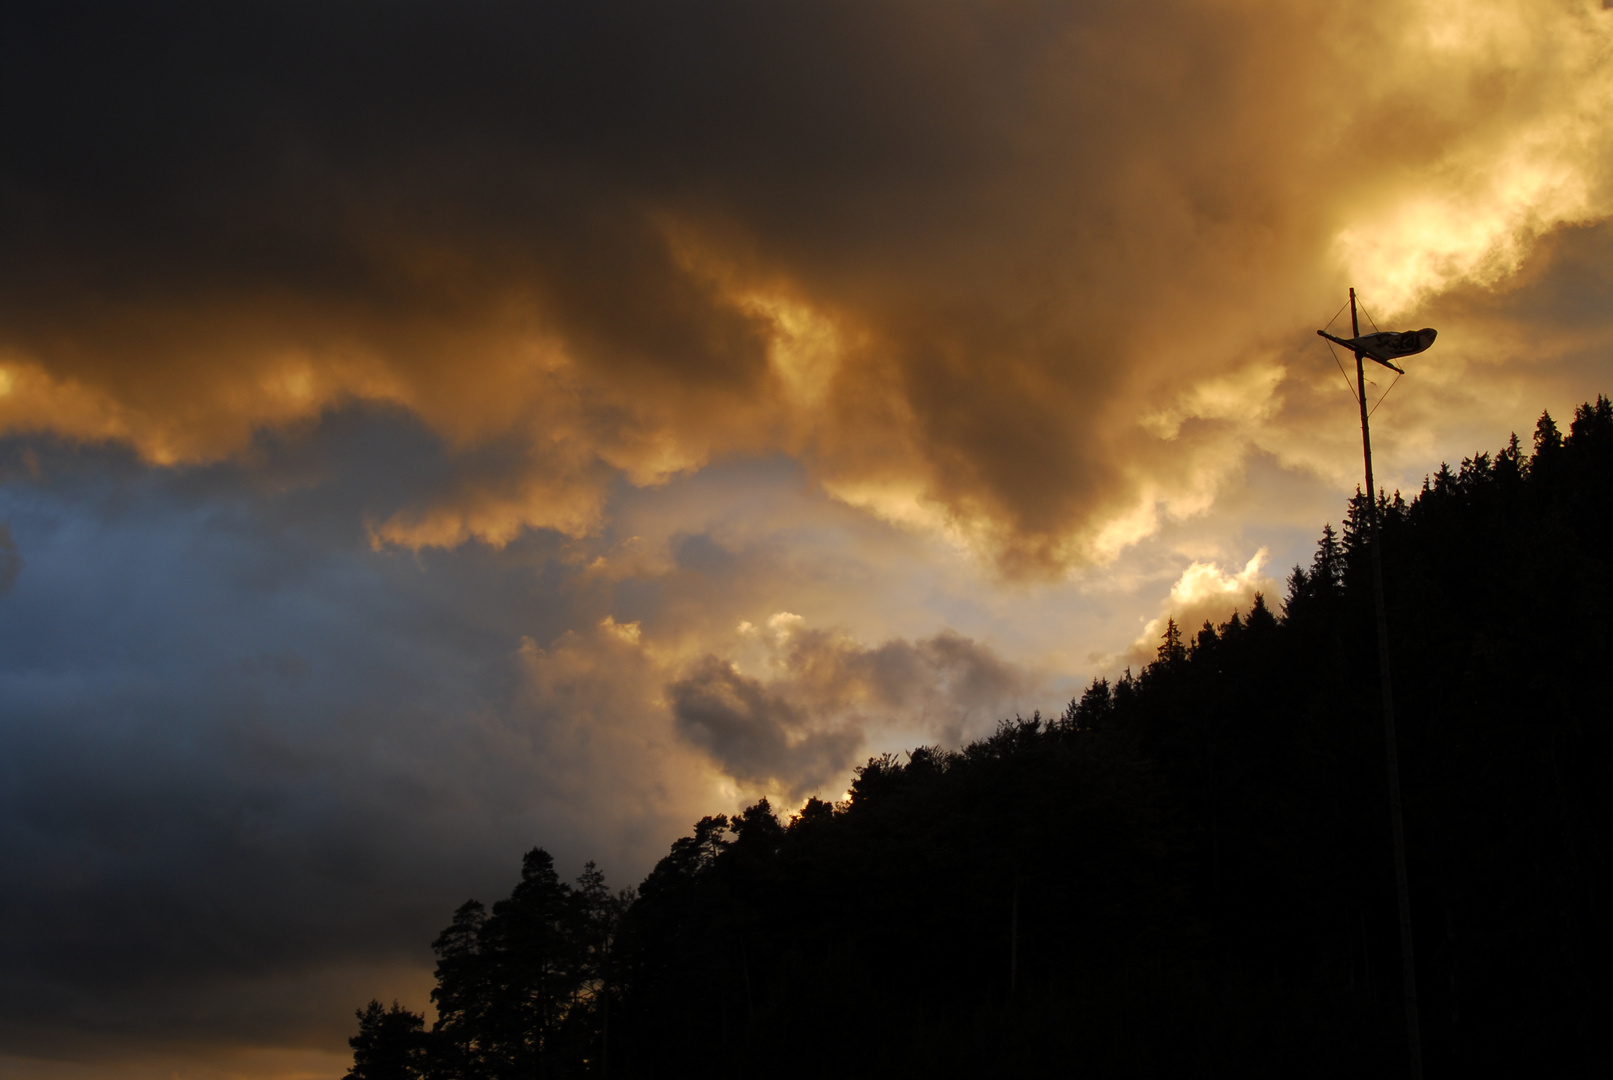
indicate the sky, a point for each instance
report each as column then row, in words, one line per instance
column 429, row 431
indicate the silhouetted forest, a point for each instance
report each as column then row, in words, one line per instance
column 1188, row 873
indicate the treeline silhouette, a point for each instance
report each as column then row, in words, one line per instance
column 1188, row 873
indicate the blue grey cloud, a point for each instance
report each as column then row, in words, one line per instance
column 239, row 742
column 252, row 761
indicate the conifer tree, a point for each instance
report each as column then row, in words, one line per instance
column 390, row 1044
column 1171, row 649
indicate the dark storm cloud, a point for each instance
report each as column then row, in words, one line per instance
column 250, row 763
column 757, row 736
column 901, row 677
column 825, row 695
column 946, row 253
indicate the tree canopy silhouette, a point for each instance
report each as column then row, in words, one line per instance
column 1186, row 873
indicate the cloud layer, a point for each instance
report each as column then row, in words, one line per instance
column 252, row 763
column 949, row 255
column 824, row 694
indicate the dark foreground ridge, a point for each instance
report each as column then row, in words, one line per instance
column 1186, row 874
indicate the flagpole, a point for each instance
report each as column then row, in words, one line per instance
column 1408, row 968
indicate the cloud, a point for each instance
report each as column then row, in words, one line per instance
column 953, row 258
column 821, row 698
column 257, row 762
column 1205, row 593
column 1470, row 205
column 756, row 736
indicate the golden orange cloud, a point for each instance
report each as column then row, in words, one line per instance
column 1056, row 306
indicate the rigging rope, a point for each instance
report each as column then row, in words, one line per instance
column 1336, row 315
column 1384, row 395
column 1363, row 309
column 1349, row 388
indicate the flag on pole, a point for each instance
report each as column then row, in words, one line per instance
column 1390, row 345
column 1387, row 346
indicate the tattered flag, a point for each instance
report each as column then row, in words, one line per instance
column 1387, row 346
column 1390, row 345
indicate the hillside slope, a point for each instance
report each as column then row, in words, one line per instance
column 1186, row 874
